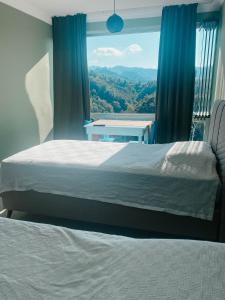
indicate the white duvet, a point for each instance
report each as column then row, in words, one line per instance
column 177, row 178
column 44, row 262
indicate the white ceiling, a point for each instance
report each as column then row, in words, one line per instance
column 99, row 10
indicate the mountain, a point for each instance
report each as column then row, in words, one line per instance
column 112, row 91
column 129, row 73
column 136, row 74
column 122, row 89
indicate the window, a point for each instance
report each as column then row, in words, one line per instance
column 205, row 59
column 123, row 72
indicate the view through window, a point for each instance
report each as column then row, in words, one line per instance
column 205, row 59
column 123, row 72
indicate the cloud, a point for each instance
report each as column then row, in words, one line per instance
column 134, row 48
column 108, row 51
column 114, row 52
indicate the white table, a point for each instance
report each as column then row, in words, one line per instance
column 140, row 129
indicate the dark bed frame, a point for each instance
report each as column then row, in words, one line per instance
column 136, row 218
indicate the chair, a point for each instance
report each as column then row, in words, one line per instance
column 152, row 132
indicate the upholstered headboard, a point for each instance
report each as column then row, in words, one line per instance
column 217, row 136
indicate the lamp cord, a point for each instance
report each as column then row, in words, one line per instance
column 114, row 6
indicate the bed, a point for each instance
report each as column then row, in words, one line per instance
column 174, row 188
column 39, row 261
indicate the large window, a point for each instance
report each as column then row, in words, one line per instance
column 123, row 72
column 205, row 61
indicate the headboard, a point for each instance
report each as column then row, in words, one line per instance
column 217, row 136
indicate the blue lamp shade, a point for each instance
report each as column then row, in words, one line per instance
column 115, row 23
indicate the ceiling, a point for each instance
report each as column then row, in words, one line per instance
column 99, row 10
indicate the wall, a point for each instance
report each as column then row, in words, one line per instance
column 220, row 78
column 130, row 26
column 139, row 25
column 26, row 102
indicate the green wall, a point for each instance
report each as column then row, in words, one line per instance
column 26, row 104
column 220, row 76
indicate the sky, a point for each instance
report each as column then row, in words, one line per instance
column 131, row 50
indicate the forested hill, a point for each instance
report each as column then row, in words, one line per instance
column 132, row 74
column 122, row 89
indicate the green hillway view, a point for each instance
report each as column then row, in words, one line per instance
column 123, row 89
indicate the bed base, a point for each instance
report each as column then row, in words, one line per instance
column 113, row 214
column 9, row 213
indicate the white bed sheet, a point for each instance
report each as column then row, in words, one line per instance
column 177, row 178
column 40, row 261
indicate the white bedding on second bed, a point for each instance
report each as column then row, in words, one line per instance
column 177, row 178
column 46, row 262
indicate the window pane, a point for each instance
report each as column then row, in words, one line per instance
column 123, row 72
column 205, row 59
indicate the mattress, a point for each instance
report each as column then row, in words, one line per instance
column 40, row 261
column 178, row 178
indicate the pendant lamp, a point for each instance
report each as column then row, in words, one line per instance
column 115, row 23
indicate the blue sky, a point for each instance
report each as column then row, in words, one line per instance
column 131, row 50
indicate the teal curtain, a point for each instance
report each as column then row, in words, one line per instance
column 71, row 84
column 176, row 73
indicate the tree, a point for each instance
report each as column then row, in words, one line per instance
column 147, row 105
column 110, row 92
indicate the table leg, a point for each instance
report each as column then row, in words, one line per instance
column 140, row 139
column 146, row 137
column 89, row 136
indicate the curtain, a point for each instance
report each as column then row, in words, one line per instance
column 204, row 73
column 71, row 84
column 176, row 73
